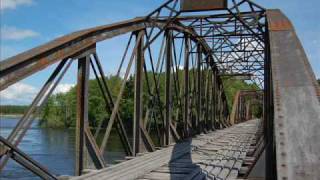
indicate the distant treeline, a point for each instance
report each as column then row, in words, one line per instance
column 60, row 111
column 12, row 109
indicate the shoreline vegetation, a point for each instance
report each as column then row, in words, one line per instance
column 60, row 110
column 11, row 116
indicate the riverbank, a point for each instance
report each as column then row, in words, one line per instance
column 11, row 116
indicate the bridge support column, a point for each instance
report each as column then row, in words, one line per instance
column 138, row 98
column 186, row 118
column 271, row 172
column 219, row 106
column 199, row 123
column 208, row 97
column 214, row 100
column 82, row 111
column 168, row 97
column 248, row 112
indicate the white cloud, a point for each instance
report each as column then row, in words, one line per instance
column 18, row 93
column 12, row 4
column 22, row 94
column 63, row 88
column 13, row 33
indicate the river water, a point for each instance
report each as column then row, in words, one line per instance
column 52, row 148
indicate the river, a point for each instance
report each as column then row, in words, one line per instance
column 53, row 148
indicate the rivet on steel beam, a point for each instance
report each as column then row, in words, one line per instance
column 281, row 133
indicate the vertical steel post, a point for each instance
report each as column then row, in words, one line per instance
column 209, row 105
column 271, row 172
column 168, row 86
column 186, row 86
column 138, row 108
column 214, row 92
column 241, row 110
column 226, row 111
column 218, row 106
column 220, row 110
column 82, row 111
column 248, row 111
column 207, row 99
column 199, row 94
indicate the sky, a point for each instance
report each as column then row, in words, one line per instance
column 28, row 23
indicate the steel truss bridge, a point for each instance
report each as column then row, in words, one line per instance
column 192, row 44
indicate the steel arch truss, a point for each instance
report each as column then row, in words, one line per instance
column 176, row 63
column 236, row 37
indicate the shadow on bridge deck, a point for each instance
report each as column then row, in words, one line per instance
column 222, row 154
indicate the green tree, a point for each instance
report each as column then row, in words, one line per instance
column 60, row 110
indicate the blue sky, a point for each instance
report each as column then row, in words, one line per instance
column 29, row 23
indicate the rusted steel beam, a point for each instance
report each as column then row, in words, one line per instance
column 24, row 124
column 279, row 22
column 270, row 164
column 27, row 63
column 216, row 16
column 36, row 101
column 146, row 139
column 234, row 108
column 82, row 111
column 214, row 94
column 22, row 65
column 138, row 145
column 240, row 108
column 83, row 41
column 26, row 161
column 118, row 100
column 209, row 100
column 296, row 120
column 168, row 91
column 203, row 5
column 186, row 117
column 93, row 149
column 199, row 90
column 110, row 104
column 248, row 112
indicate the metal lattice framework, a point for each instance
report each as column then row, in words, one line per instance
column 191, row 54
column 187, row 50
column 243, row 103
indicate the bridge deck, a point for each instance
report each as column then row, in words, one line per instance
column 223, row 153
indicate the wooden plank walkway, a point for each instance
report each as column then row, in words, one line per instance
column 221, row 154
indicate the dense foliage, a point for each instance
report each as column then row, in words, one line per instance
column 12, row 109
column 60, row 110
column 231, row 86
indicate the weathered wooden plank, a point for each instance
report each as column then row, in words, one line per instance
column 189, row 160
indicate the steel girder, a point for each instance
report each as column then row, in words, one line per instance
column 196, row 102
